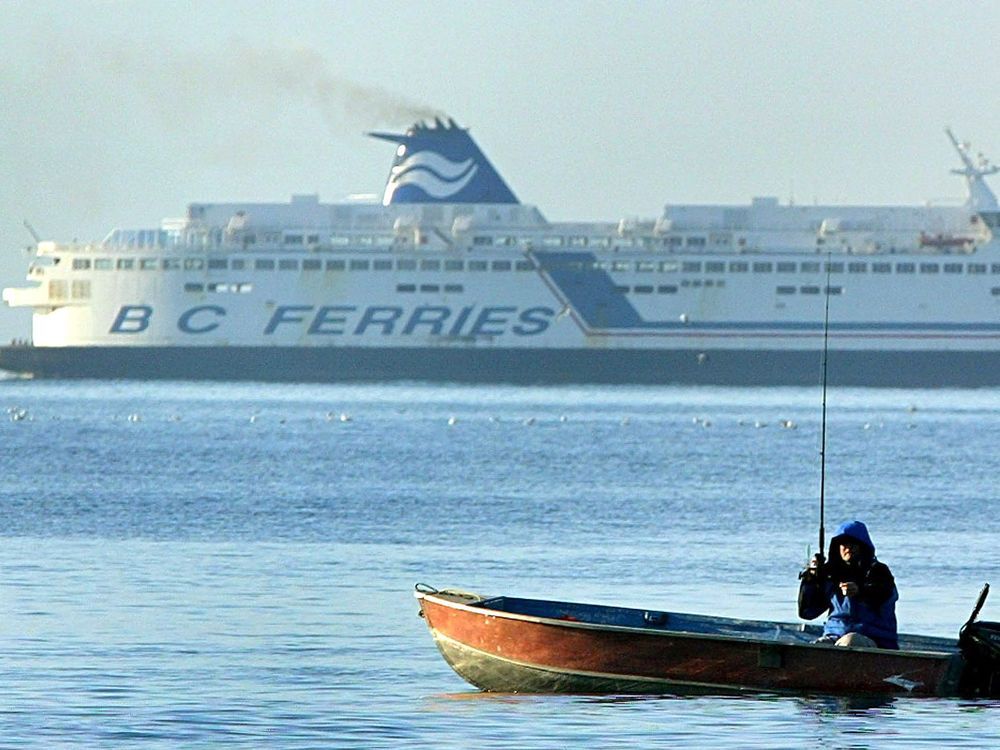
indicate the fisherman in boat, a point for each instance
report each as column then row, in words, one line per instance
column 857, row 591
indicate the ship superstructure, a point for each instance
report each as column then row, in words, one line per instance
column 450, row 277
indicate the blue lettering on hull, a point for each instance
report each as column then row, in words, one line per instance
column 132, row 319
column 350, row 321
column 205, row 323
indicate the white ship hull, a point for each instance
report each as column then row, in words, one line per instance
column 490, row 291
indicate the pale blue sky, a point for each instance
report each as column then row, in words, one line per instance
column 121, row 113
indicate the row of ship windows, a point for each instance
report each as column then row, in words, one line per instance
column 220, row 287
column 292, row 264
column 246, row 288
column 671, row 241
column 59, row 290
column 410, row 264
column 673, row 288
column 782, row 290
column 781, row 267
column 300, row 240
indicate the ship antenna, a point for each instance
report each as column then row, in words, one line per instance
column 32, row 232
column 822, row 449
column 979, row 193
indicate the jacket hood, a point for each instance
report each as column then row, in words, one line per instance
column 856, row 531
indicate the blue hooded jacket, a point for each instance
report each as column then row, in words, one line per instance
column 872, row 611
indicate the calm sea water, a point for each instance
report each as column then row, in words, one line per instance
column 191, row 565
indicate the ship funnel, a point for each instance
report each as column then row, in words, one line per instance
column 440, row 163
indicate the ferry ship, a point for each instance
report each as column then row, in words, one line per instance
column 451, row 278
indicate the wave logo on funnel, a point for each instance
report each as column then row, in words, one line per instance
column 440, row 163
column 439, row 177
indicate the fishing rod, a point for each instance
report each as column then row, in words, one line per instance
column 822, row 449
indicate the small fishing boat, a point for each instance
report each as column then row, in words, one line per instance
column 515, row 645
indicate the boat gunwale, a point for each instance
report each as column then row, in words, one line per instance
column 443, row 599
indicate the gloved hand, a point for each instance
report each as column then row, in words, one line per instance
column 812, row 572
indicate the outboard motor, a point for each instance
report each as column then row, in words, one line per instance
column 979, row 643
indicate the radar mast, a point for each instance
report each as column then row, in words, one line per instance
column 979, row 194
